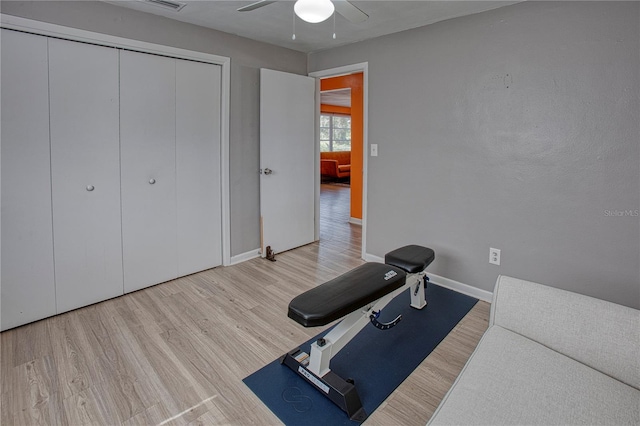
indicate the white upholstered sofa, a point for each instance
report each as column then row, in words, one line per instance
column 549, row 357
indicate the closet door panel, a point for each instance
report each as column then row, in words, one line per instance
column 147, row 132
column 198, row 166
column 28, row 290
column 85, row 167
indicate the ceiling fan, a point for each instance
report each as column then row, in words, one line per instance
column 315, row 11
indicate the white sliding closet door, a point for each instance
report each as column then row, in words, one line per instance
column 28, row 290
column 85, row 168
column 198, row 166
column 148, row 162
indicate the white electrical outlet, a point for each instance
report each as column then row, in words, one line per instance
column 374, row 149
column 494, row 256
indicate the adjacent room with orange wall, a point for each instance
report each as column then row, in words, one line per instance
column 355, row 83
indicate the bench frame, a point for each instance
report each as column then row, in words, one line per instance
column 351, row 325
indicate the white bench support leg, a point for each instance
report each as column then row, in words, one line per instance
column 335, row 340
column 416, row 289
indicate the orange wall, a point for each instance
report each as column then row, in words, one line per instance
column 355, row 83
column 334, row 109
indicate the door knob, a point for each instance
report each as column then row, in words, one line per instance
column 152, row 181
column 268, row 171
column 90, row 188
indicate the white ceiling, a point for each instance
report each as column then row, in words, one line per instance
column 274, row 23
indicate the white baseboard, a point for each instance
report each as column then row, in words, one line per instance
column 371, row 258
column 355, row 221
column 467, row 289
column 239, row 258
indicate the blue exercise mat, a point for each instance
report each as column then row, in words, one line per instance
column 379, row 361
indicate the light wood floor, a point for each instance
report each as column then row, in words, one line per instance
column 176, row 353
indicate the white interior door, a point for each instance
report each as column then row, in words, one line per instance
column 148, row 164
column 85, row 170
column 28, row 288
column 199, row 212
column 287, row 160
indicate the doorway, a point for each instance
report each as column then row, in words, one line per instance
column 341, row 149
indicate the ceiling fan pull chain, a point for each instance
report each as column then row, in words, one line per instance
column 293, row 37
column 334, row 24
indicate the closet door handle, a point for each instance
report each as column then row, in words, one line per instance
column 152, row 181
column 90, row 188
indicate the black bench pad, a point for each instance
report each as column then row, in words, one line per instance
column 341, row 296
column 410, row 258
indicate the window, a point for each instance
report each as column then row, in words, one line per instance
column 335, row 132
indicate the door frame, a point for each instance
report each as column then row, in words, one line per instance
column 75, row 34
column 362, row 67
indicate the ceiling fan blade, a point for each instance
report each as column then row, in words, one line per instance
column 349, row 11
column 256, row 5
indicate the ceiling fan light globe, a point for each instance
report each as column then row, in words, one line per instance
column 314, row 11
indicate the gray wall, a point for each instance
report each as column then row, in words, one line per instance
column 515, row 129
column 247, row 57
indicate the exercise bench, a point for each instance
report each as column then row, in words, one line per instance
column 359, row 296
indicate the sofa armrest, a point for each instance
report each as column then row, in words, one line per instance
column 329, row 167
column 344, row 170
column 603, row 335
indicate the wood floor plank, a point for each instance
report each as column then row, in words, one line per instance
column 155, row 415
column 76, row 368
column 33, row 343
column 82, row 408
column 176, row 353
column 35, row 402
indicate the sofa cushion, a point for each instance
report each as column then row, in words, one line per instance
column 345, row 168
column 600, row 334
column 511, row 380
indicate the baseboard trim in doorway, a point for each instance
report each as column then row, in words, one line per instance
column 239, row 258
column 355, row 221
column 454, row 285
